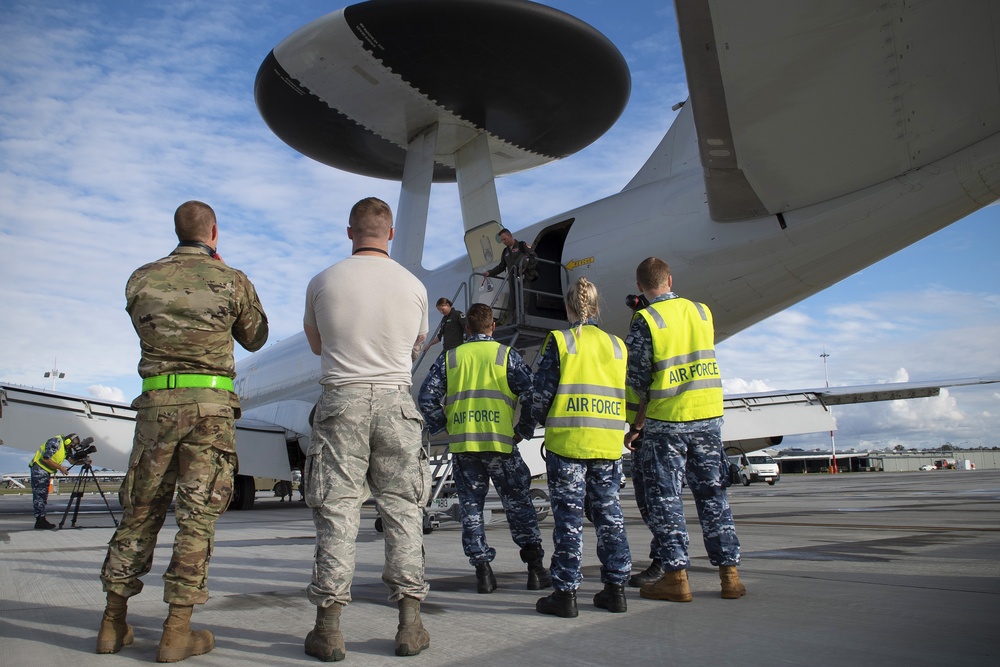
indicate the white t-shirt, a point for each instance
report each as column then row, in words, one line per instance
column 369, row 312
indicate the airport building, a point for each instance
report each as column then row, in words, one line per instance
column 792, row 461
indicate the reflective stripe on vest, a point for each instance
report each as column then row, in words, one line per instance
column 686, row 384
column 587, row 417
column 57, row 458
column 479, row 405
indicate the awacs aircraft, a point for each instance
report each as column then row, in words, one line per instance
column 819, row 137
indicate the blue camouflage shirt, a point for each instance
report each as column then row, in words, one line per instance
column 430, row 400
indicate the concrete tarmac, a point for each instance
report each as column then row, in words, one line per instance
column 852, row 569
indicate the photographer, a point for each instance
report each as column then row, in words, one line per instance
column 48, row 459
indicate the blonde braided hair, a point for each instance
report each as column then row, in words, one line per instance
column 581, row 302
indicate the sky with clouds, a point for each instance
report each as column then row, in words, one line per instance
column 111, row 114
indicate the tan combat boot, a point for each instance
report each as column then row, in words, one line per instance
column 114, row 632
column 411, row 638
column 732, row 587
column 671, row 586
column 179, row 641
column 325, row 640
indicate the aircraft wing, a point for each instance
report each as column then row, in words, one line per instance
column 29, row 417
column 758, row 420
column 797, row 103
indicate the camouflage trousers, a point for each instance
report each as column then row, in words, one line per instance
column 366, row 437
column 39, row 489
column 639, row 485
column 189, row 448
column 570, row 482
column 672, row 453
column 512, row 480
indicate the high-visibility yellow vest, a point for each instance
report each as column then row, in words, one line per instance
column 479, row 405
column 587, row 417
column 686, row 384
column 57, row 458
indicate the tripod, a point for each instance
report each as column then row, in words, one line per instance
column 77, row 494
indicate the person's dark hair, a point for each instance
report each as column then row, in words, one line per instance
column 193, row 221
column 371, row 218
column 479, row 319
column 443, row 302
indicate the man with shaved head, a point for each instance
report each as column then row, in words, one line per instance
column 187, row 309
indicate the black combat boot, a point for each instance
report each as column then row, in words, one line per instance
column 649, row 575
column 41, row 523
column 558, row 603
column 538, row 574
column 612, row 598
column 485, row 581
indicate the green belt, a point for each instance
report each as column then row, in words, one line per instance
column 187, row 380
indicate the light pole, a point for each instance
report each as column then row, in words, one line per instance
column 54, row 374
column 833, row 445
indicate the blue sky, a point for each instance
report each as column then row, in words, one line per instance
column 111, row 114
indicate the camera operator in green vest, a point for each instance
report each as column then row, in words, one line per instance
column 673, row 372
column 472, row 391
column 48, row 459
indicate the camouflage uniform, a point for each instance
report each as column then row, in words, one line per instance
column 40, row 478
column 186, row 308
column 366, row 434
column 671, row 453
column 639, row 486
column 474, row 470
column 571, row 483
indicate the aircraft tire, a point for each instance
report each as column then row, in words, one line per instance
column 243, row 493
column 538, row 494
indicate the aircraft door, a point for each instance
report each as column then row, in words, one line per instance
column 484, row 248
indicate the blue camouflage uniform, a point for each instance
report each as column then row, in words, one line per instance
column 671, row 453
column 474, row 470
column 572, row 482
column 40, row 477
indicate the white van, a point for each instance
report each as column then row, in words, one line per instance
column 755, row 467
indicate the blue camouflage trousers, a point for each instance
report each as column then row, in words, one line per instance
column 39, row 489
column 570, row 482
column 672, row 453
column 512, row 480
column 366, row 436
column 639, row 485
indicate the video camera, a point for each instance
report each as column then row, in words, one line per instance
column 79, row 453
column 636, row 301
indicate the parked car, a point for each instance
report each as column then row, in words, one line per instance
column 927, row 466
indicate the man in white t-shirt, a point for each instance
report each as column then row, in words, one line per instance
column 366, row 317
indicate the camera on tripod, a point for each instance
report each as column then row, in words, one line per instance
column 79, row 453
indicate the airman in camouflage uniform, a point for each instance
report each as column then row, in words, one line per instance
column 186, row 308
column 366, row 430
column 586, row 469
column 675, row 451
column 47, row 460
column 476, row 462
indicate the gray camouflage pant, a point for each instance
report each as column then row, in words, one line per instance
column 366, row 436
